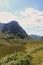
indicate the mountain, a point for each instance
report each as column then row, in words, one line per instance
column 14, row 28
column 18, row 48
column 36, row 37
column 12, row 38
column 1, row 26
column 42, row 37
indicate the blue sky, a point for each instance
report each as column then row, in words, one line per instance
column 29, row 14
column 17, row 5
column 22, row 4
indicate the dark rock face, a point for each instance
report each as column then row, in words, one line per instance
column 15, row 28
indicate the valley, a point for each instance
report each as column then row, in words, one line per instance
column 18, row 48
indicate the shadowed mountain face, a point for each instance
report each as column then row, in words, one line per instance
column 1, row 25
column 14, row 28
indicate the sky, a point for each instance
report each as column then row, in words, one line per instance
column 28, row 13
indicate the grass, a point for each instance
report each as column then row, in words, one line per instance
column 33, row 50
column 38, row 57
column 16, row 51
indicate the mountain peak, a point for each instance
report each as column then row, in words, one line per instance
column 14, row 28
column 15, row 22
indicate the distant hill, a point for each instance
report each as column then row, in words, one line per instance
column 42, row 37
column 36, row 37
column 14, row 28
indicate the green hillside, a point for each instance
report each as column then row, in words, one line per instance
column 15, row 50
column 9, row 45
column 30, row 53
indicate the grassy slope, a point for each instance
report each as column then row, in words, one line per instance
column 8, row 46
column 36, row 51
column 31, row 47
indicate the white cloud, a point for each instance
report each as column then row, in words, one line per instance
column 6, row 17
column 29, row 12
column 32, row 18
